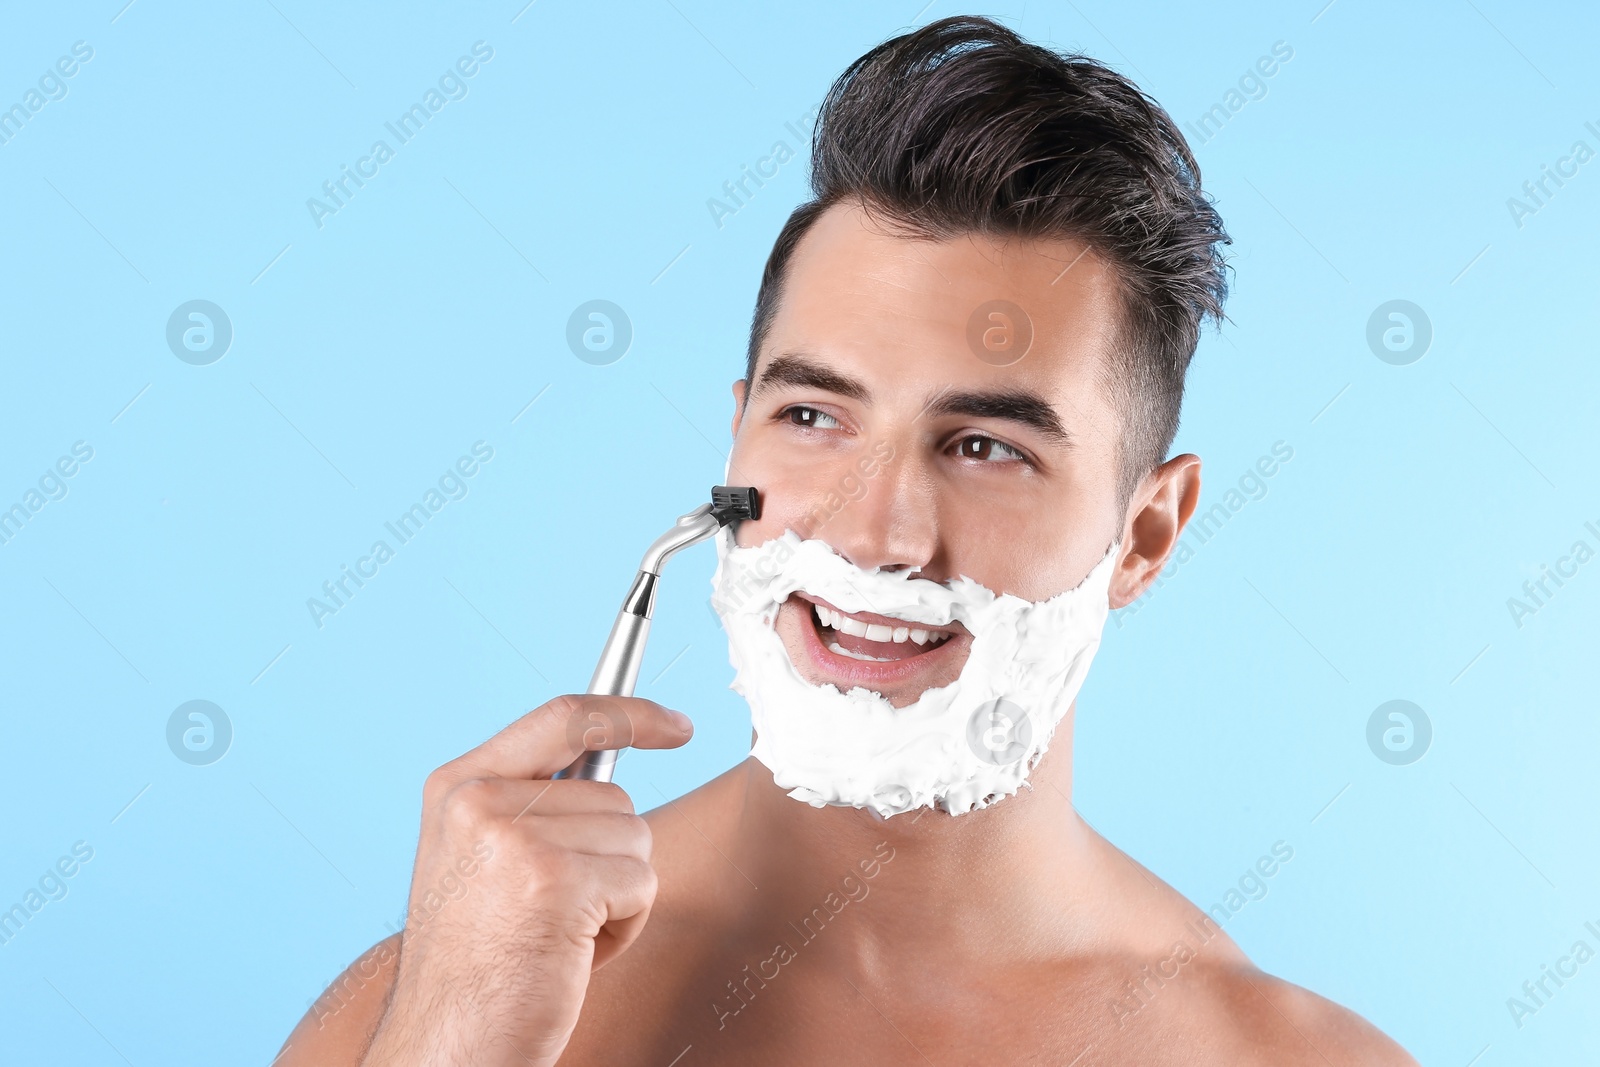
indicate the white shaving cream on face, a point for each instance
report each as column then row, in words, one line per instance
column 959, row 747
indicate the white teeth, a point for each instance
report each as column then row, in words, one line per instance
column 875, row 631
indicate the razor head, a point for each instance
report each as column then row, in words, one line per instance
column 733, row 503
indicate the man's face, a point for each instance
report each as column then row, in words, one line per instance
column 1005, row 472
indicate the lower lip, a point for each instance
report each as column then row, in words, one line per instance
column 869, row 674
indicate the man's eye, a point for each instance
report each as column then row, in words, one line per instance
column 977, row 446
column 810, row 418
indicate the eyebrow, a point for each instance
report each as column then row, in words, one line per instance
column 794, row 369
column 1011, row 405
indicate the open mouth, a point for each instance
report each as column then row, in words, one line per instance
column 867, row 648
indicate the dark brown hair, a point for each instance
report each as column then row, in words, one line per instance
column 963, row 127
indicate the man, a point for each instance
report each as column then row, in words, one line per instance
column 964, row 374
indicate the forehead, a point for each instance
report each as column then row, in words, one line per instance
column 860, row 293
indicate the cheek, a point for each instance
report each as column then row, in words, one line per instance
column 1014, row 552
column 746, row 469
column 750, row 533
column 790, row 626
column 793, row 483
column 787, row 626
column 783, row 507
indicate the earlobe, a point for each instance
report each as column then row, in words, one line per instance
column 1162, row 508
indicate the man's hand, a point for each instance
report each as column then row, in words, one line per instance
column 561, row 884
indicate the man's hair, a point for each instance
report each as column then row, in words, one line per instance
column 962, row 127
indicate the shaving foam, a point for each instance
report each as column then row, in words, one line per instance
column 959, row 747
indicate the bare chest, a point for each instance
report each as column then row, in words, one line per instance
column 781, row 1011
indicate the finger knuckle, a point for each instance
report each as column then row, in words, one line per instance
column 438, row 783
column 645, row 881
column 594, row 721
column 613, row 797
column 551, row 869
column 637, row 832
column 559, row 708
column 469, row 804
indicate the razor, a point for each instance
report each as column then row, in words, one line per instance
column 618, row 670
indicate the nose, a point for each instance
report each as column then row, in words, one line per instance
column 892, row 523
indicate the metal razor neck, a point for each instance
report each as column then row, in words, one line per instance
column 641, row 599
column 694, row 527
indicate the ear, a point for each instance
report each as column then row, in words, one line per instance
column 1160, row 509
column 738, row 404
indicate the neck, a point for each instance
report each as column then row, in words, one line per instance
column 1012, row 880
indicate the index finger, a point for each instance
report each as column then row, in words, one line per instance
column 550, row 737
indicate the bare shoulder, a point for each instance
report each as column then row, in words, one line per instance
column 336, row 1030
column 1181, row 991
column 1268, row 1020
column 1336, row 1033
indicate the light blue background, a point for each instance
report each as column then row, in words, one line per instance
column 1223, row 715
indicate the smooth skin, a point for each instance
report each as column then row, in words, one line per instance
column 736, row 925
